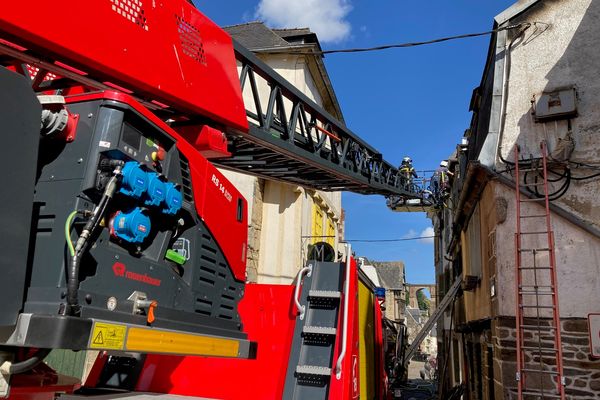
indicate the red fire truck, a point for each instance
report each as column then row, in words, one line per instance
column 122, row 238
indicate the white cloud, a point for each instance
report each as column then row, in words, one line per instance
column 410, row 234
column 427, row 232
column 327, row 18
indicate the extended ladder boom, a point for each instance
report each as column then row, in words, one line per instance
column 293, row 139
column 194, row 82
column 439, row 311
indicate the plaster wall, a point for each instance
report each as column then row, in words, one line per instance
column 577, row 261
column 561, row 55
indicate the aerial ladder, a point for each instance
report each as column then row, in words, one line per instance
column 433, row 319
column 121, row 236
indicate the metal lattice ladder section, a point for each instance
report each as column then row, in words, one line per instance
column 537, row 314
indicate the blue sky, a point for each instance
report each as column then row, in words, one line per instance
column 410, row 101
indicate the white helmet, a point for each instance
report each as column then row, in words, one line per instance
column 407, row 160
column 444, row 164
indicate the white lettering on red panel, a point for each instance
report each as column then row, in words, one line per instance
column 221, row 188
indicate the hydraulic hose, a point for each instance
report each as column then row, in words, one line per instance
column 30, row 363
column 82, row 241
column 68, row 223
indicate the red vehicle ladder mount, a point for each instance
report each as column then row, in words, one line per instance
column 539, row 363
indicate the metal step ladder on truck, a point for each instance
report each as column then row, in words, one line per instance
column 120, row 235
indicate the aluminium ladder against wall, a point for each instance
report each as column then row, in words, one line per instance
column 539, row 348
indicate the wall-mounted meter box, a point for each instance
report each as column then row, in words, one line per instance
column 559, row 104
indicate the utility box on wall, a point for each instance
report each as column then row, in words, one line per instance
column 558, row 104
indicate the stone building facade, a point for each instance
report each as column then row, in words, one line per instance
column 547, row 62
column 285, row 219
column 389, row 275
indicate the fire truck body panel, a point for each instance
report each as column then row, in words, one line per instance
column 166, row 52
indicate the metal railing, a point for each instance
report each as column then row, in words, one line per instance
column 342, row 355
column 301, row 308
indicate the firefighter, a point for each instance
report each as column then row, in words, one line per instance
column 441, row 181
column 408, row 173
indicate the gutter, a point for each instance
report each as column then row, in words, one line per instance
column 472, row 168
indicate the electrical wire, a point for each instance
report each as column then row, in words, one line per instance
column 582, row 178
column 579, row 164
column 68, row 223
column 558, row 193
column 386, row 240
column 414, row 44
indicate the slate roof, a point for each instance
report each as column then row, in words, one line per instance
column 255, row 35
column 391, row 273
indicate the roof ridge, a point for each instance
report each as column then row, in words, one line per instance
column 290, row 29
column 245, row 23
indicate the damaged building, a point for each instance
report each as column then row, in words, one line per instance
column 529, row 271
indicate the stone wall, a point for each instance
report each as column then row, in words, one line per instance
column 254, row 231
column 582, row 373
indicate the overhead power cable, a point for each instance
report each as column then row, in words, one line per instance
column 387, row 240
column 370, row 240
column 414, row 44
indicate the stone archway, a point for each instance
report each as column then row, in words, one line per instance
column 413, row 288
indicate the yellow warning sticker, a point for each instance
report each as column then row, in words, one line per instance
column 108, row 336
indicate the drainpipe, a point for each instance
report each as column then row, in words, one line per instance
column 504, row 97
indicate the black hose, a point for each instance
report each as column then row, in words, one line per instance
column 82, row 242
column 73, row 277
column 30, row 363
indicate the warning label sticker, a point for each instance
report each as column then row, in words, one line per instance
column 108, row 336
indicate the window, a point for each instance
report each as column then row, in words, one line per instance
column 317, row 220
column 330, row 231
column 473, row 236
